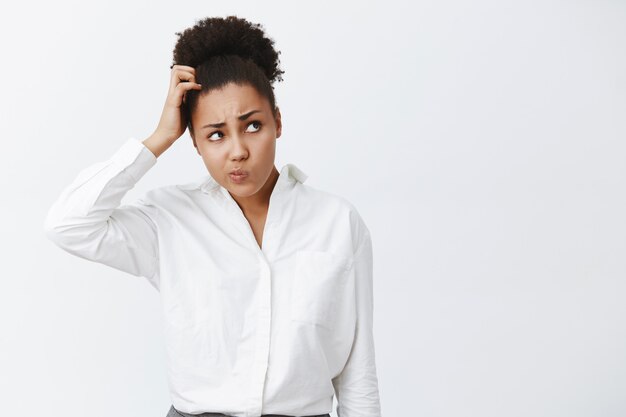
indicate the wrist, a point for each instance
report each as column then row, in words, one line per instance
column 158, row 143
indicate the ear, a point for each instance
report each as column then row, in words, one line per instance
column 279, row 125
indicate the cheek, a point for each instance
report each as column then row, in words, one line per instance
column 212, row 158
column 268, row 143
column 271, row 147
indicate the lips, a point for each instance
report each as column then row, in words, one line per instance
column 238, row 171
column 238, row 176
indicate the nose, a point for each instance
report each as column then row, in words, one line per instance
column 239, row 149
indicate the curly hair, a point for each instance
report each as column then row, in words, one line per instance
column 225, row 50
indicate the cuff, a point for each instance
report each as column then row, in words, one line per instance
column 134, row 158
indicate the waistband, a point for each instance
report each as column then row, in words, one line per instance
column 175, row 413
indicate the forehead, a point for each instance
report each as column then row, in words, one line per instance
column 231, row 100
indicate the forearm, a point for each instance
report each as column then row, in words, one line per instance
column 158, row 143
column 88, row 220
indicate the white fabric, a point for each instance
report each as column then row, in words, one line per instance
column 248, row 331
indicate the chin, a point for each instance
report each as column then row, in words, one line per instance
column 242, row 190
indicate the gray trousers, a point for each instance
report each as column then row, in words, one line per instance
column 175, row 413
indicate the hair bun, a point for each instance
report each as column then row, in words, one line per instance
column 215, row 36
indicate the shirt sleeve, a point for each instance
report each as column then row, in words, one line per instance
column 88, row 221
column 356, row 387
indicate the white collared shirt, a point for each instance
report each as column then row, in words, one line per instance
column 249, row 330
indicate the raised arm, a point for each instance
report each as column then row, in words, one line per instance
column 87, row 219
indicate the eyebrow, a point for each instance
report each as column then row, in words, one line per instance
column 242, row 117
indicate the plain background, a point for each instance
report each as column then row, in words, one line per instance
column 482, row 142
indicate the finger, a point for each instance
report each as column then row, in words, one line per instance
column 178, row 76
column 181, row 75
column 186, row 76
column 176, row 95
column 183, row 67
column 182, row 88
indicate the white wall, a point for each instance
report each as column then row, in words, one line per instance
column 483, row 142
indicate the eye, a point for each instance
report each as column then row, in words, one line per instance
column 212, row 136
column 219, row 138
column 256, row 122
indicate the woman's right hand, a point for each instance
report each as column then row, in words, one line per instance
column 172, row 124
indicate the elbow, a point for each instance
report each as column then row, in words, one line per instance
column 55, row 234
column 73, row 236
column 55, row 227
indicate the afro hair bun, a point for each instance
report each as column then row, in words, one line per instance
column 215, row 36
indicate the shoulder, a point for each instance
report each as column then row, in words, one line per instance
column 340, row 207
column 168, row 198
column 161, row 194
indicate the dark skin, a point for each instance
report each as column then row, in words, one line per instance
column 249, row 144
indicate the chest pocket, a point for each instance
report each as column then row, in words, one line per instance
column 319, row 282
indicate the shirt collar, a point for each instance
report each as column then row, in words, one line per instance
column 289, row 175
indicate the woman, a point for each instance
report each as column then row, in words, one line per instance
column 266, row 283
